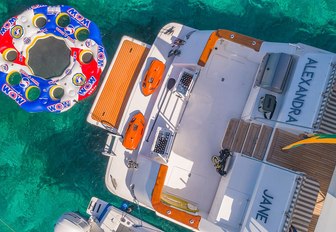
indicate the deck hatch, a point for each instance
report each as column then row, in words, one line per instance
column 184, row 83
column 162, row 144
column 273, row 71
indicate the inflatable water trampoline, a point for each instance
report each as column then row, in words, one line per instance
column 51, row 58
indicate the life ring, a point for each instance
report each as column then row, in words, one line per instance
column 51, row 58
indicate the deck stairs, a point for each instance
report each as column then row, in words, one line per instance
column 250, row 139
column 326, row 119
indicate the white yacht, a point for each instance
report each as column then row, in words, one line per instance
column 197, row 123
column 103, row 218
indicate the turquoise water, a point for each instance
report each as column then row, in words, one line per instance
column 50, row 164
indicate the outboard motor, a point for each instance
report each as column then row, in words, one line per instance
column 72, row 222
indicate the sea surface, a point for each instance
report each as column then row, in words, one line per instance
column 52, row 163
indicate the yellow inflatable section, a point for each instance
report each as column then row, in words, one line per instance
column 317, row 138
column 179, row 203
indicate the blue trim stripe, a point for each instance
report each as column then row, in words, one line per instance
column 104, row 212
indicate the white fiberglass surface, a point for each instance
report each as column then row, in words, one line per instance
column 273, row 193
column 303, row 97
column 219, row 94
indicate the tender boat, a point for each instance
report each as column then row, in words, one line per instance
column 103, row 218
column 222, row 119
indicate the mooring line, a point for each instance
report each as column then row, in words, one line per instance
column 7, row 225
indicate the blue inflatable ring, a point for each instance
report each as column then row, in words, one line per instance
column 51, row 58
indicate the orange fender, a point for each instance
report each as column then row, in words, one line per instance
column 134, row 132
column 153, row 77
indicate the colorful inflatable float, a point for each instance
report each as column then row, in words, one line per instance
column 51, row 58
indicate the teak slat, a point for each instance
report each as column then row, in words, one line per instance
column 240, row 136
column 251, row 139
column 230, row 133
column 263, row 140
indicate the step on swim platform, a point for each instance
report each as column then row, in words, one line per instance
column 250, row 139
column 51, row 58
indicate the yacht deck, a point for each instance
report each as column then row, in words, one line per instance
column 221, row 85
column 222, row 90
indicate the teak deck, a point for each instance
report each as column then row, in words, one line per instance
column 118, row 86
column 316, row 160
column 247, row 138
